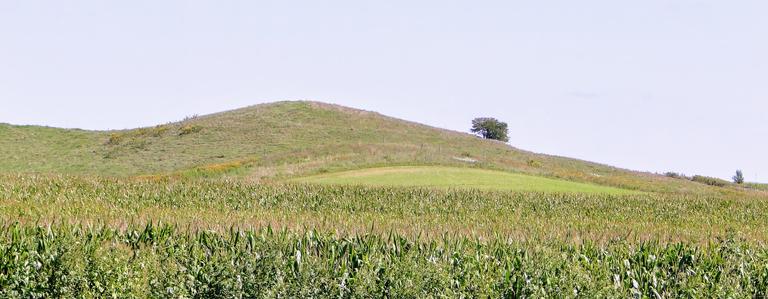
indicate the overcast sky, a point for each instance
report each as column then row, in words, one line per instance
column 650, row 85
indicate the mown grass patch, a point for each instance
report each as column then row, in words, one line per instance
column 455, row 177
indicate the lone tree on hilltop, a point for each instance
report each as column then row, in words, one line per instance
column 490, row 128
column 739, row 177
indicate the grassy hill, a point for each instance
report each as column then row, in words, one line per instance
column 287, row 139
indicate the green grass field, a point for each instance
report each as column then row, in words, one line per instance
column 454, row 177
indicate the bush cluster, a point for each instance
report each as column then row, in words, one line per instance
column 189, row 129
column 134, row 137
column 676, row 175
column 737, row 179
column 115, row 139
column 155, row 131
column 710, row 181
column 534, row 163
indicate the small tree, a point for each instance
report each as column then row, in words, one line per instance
column 739, row 177
column 490, row 128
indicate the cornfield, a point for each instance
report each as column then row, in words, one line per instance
column 73, row 237
column 164, row 262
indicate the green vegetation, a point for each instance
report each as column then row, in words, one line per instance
column 78, row 237
column 303, row 199
column 453, row 177
column 490, row 128
column 162, row 262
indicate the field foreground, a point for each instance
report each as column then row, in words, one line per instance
column 162, row 262
column 96, row 237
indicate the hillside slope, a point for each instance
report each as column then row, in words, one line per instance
column 287, row 139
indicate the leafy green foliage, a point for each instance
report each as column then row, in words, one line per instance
column 490, row 128
column 160, row 261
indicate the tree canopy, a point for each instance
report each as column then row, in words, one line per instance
column 739, row 177
column 490, row 128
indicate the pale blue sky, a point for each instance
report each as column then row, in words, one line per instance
column 649, row 85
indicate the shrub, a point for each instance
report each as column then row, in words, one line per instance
column 189, row 129
column 676, row 175
column 159, row 131
column 155, row 131
column 710, row 181
column 534, row 163
column 115, row 139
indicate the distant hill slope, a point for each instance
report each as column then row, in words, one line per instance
column 290, row 138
